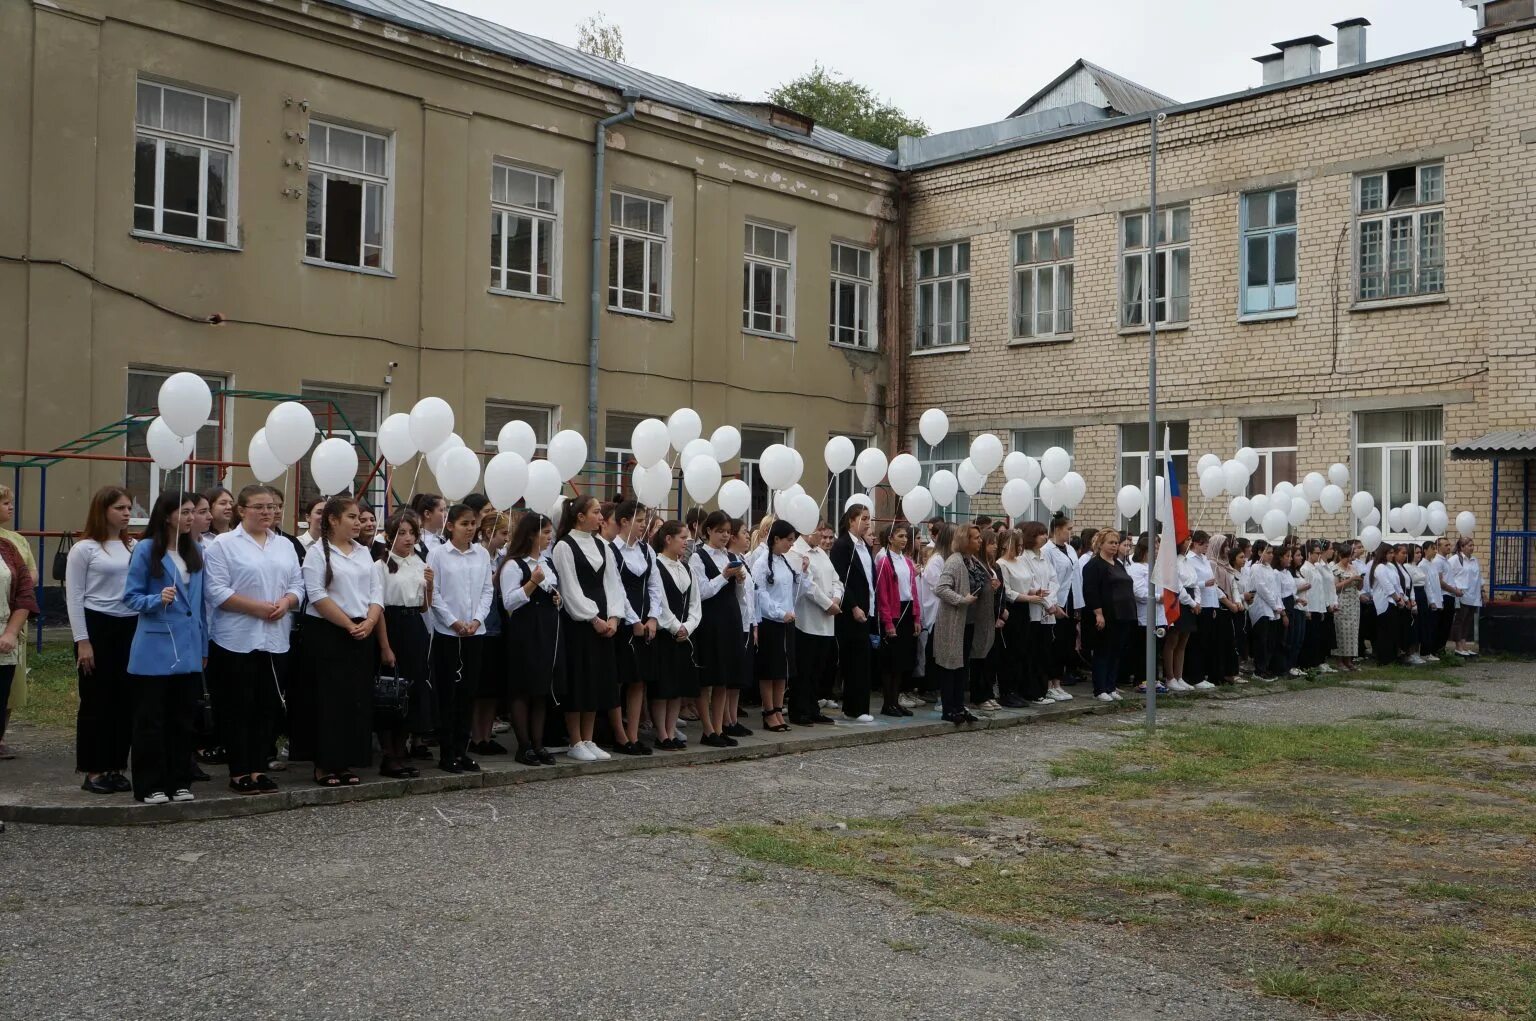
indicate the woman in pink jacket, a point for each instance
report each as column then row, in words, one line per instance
column 900, row 614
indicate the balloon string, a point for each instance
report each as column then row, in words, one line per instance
column 414, row 476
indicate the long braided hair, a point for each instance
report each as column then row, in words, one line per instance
column 335, row 507
column 780, row 529
column 403, row 518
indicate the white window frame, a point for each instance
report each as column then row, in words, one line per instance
column 1426, row 274
column 525, row 411
column 503, row 211
column 365, row 440
column 1382, row 451
column 1263, row 478
column 625, row 236
column 207, row 145
column 929, row 288
column 1134, row 308
column 1035, row 442
column 780, row 434
column 865, row 294
column 1174, row 453
column 1030, row 269
column 845, row 483
column 781, row 274
column 1273, row 234
column 930, row 461
column 320, row 168
column 187, row 473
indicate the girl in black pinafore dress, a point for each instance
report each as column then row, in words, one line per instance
column 535, row 667
column 638, row 636
column 677, row 675
column 718, row 645
column 592, row 601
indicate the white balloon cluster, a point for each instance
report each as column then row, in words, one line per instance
column 185, row 404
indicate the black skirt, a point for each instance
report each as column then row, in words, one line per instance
column 410, row 638
column 898, row 652
column 775, row 656
column 535, row 659
column 676, row 675
column 342, row 670
column 493, row 665
column 591, row 675
column 636, row 656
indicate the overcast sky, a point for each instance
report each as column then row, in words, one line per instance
column 965, row 63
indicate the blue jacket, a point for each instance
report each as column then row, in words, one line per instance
column 170, row 639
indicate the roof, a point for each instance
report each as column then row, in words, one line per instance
column 1124, row 95
column 434, row 19
column 1516, row 443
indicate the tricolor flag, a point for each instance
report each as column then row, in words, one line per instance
column 1173, row 528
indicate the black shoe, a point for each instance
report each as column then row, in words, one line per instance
column 713, row 740
column 198, row 775
column 215, row 756
column 736, row 730
column 641, row 748
column 545, row 759
column 627, row 748
column 265, row 784
column 528, row 757
column 101, row 785
column 420, row 751
column 450, row 766
column 467, row 764
column 822, row 718
column 801, row 721
column 492, row 747
column 1012, row 701
column 890, row 710
column 119, row 782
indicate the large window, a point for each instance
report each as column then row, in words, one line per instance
column 1400, row 226
column 1170, row 295
column 944, row 295
column 539, row 417
column 1269, row 250
column 525, row 231
column 844, row 484
column 638, row 258
column 853, row 296
column 768, row 280
column 184, row 164
column 1035, row 442
column 142, row 480
column 1133, row 461
column 1042, row 282
column 348, row 207
column 954, row 448
column 1400, row 458
column 354, row 416
column 1274, row 440
column 755, row 440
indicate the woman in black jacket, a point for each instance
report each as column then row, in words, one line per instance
column 1109, row 612
column 855, row 567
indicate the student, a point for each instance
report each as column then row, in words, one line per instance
column 1181, row 635
column 1027, row 584
column 1293, row 590
column 432, row 509
column 1388, row 598
column 314, row 521
column 1446, row 614
column 900, row 615
column 1109, row 612
column 12, row 544
column 1230, row 607
column 636, row 643
column 491, row 688
column 165, row 588
column 1362, row 566
column 1266, row 612
column 535, row 665
column 18, row 601
column 816, row 612
column 461, row 601
column 721, row 582
column 741, row 688
column 678, row 614
column 928, row 583
column 1044, row 614
column 1423, row 638
column 103, row 625
column 959, row 590
column 592, row 598
column 780, row 582
column 1346, row 614
column 986, row 649
column 1466, row 584
column 1317, row 602
column 253, row 581
column 855, row 569
column 1063, row 564
column 1206, row 646
column 1432, row 564
column 1141, row 589
column 405, row 640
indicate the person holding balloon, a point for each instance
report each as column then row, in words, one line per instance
column 721, row 582
column 643, row 599
column 856, row 634
column 1390, row 600
column 461, row 602
column 960, row 591
column 743, row 679
column 816, row 613
column 535, row 666
column 678, row 616
column 592, row 598
column 780, row 582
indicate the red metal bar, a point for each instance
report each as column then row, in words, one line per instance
column 120, row 458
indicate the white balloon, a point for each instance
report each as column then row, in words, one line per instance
column 917, row 504
column 904, row 473
column 568, row 453
column 862, row 499
column 168, row 450
column 458, row 472
column 783, row 499
column 517, row 437
column 804, row 513
column 435, row 455
column 1128, row 501
column 1055, row 463
column 1249, row 458
column 971, row 480
column 185, row 403
column 544, row 484
column 1050, row 495
column 1213, row 481
column 1312, row 486
column 933, row 426
column 1235, row 474
column 1207, row 461
column 777, row 467
column 986, row 453
column 870, row 467
column 735, row 498
column 1331, row 499
column 431, row 422
column 1338, row 474
column 943, row 487
column 1300, row 511
column 726, row 442
column 1435, row 505
column 1362, row 503
column 838, row 454
column 1395, row 519
column 649, row 441
column 1240, row 511
column 1282, row 493
column 1017, row 496
column 1275, row 525
column 395, row 441
column 1413, row 518
column 1032, row 472
column 652, row 484
column 556, row 509
column 1439, row 521
column 1258, row 506
column 1074, row 488
column 1370, row 538
column 1374, row 517
column 799, row 463
column 1466, row 523
column 506, row 479
column 702, row 477
column 333, row 466
column 290, row 431
column 683, row 427
column 264, row 464
column 696, row 448
column 1014, row 465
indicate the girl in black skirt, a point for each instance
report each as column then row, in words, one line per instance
column 492, row 534
column 461, row 602
column 900, row 614
column 855, row 625
column 346, row 601
column 405, row 640
column 534, row 664
column 780, row 583
column 676, row 675
column 637, row 639
column 721, row 582
column 745, row 679
column 592, row 598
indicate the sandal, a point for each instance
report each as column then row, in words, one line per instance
column 349, row 778
column 396, row 772
column 328, row 780
column 244, row 785
column 779, row 728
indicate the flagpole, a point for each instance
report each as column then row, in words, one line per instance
column 1149, row 292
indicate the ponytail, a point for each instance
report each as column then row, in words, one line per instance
column 335, row 507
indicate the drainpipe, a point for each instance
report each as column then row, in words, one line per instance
column 594, row 338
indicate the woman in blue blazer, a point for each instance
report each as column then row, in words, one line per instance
column 165, row 664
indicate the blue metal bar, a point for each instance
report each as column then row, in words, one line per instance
column 1493, row 529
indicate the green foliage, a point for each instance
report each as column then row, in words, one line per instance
column 600, row 37
column 837, row 102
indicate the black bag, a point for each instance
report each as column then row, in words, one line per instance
column 61, row 557
column 202, row 711
column 391, row 696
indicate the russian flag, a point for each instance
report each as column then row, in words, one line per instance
column 1173, row 529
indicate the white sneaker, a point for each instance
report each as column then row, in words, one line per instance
column 1296, row 672
column 866, row 718
column 1416, row 660
column 1326, row 669
column 1205, row 686
column 182, row 795
column 1239, row 680
column 908, row 702
column 1116, row 695
column 991, row 705
column 500, row 727
column 157, row 798
column 1060, row 694
column 1177, row 684
column 597, row 753
column 1042, row 701
column 579, row 752
column 1104, row 696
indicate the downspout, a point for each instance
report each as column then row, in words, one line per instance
column 594, row 337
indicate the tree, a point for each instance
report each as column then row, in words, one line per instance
column 600, row 37
column 839, row 103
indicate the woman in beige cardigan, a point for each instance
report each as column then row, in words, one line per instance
column 959, row 623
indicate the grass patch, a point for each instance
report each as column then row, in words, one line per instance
column 52, row 688
column 647, row 829
column 1024, row 939
column 1378, row 686
column 901, row 946
column 1384, row 715
column 750, row 875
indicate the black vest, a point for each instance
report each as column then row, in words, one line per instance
column 590, row 578
column 637, row 586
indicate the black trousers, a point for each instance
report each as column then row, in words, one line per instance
column 1035, row 655
column 1207, row 646
column 341, row 669
column 1108, row 649
column 814, row 655
column 1263, row 637
column 162, row 732
column 855, row 662
column 1389, row 633
column 456, row 679
column 1064, row 647
column 952, row 683
column 104, row 721
column 1443, row 619
column 241, row 686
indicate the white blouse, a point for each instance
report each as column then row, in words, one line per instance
column 1265, row 584
column 461, row 585
column 240, row 565
column 776, row 599
column 1385, row 585
column 904, row 575
column 574, row 601
column 407, row 586
column 710, row 587
column 635, row 557
column 822, row 589
column 95, row 575
column 682, row 579
column 513, row 598
column 354, row 587
column 1140, row 587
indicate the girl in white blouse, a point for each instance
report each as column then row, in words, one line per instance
column 779, row 584
column 404, row 639
column 535, row 669
column 1266, row 612
column 592, row 598
column 815, row 625
column 678, row 615
column 102, row 625
column 461, row 601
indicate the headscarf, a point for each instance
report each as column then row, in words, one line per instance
column 1217, row 555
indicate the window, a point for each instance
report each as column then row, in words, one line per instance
column 1400, row 457
column 853, row 289
column 755, row 440
column 619, row 460
column 141, row 478
column 1274, row 440
column 944, row 295
column 184, row 164
column 1133, row 461
column 1042, row 282
column 637, row 254
column 1401, row 230
column 846, row 483
column 1170, row 297
column 1269, row 250
column 347, row 211
column 354, row 416
column 1035, row 442
column 498, row 413
column 525, row 231
column 767, row 280
column 954, row 448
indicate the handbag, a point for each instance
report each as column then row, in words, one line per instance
column 61, row 558
column 202, row 710
column 391, row 695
